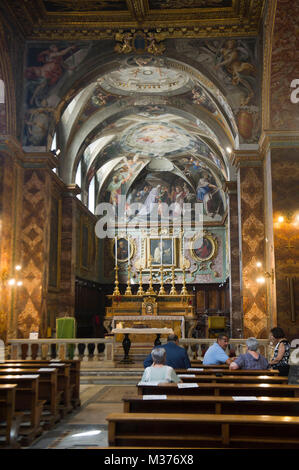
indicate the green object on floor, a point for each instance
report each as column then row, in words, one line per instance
column 66, row 328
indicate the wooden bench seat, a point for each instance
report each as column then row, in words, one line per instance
column 27, row 401
column 187, row 378
column 213, row 405
column 47, row 390
column 63, row 380
column 223, row 389
column 216, row 370
column 75, row 367
column 10, row 419
column 177, row 430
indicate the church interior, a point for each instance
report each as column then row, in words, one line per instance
column 109, row 109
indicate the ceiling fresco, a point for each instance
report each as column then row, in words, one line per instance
column 140, row 123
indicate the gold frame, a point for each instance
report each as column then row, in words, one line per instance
column 214, row 244
column 132, row 249
column 174, row 251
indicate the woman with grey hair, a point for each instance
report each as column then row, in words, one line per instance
column 158, row 371
column 252, row 359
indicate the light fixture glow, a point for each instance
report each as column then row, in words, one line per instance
column 261, row 280
column 280, row 219
column 18, row 267
column 229, row 150
column 11, row 282
column 259, row 264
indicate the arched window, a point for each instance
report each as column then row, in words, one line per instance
column 2, row 92
column 79, row 178
column 91, row 195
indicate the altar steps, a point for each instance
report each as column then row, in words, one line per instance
column 125, row 375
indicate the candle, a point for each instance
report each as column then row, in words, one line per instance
column 129, row 254
column 116, row 251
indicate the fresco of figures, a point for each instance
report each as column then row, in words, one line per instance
column 162, row 188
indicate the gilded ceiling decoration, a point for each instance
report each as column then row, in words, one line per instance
column 95, row 19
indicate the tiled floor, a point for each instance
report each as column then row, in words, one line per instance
column 87, row 426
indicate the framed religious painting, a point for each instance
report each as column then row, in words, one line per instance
column 204, row 248
column 161, row 251
column 124, row 250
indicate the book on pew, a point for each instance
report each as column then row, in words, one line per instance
column 249, row 398
column 186, row 375
column 186, row 385
column 149, row 383
column 154, row 397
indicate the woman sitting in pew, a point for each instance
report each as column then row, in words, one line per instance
column 251, row 359
column 158, row 371
column 281, row 354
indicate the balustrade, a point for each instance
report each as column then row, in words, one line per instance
column 80, row 349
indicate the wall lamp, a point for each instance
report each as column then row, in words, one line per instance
column 288, row 218
column 264, row 275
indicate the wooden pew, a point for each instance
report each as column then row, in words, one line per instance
column 10, row 420
column 176, row 430
column 222, row 389
column 27, row 401
column 216, row 370
column 283, row 406
column 47, row 390
column 75, row 368
column 63, row 380
column 187, row 378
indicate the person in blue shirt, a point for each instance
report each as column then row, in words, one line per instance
column 216, row 353
column 176, row 356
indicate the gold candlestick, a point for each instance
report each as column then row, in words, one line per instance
column 140, row 290
column 150, row 290
column 116, row 289
column 162, row 290
column 128, row 289
column 173, row 289
column 184, row 289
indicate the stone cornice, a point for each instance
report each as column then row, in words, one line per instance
column 245, row 158
column 278, row 139
column 43, row 160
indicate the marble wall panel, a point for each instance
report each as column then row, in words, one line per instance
column 253, row 236
column 285, row 190
column 285, row 66
column 34, row 242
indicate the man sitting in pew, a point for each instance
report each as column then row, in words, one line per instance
column 251, row 359
column 158, row 371
column 216, row 353
column 176, row 356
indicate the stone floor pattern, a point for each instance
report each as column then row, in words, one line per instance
column 87, row 426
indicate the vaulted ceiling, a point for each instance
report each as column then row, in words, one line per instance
column 140, row 114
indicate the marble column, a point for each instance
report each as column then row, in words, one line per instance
column 236, row 308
